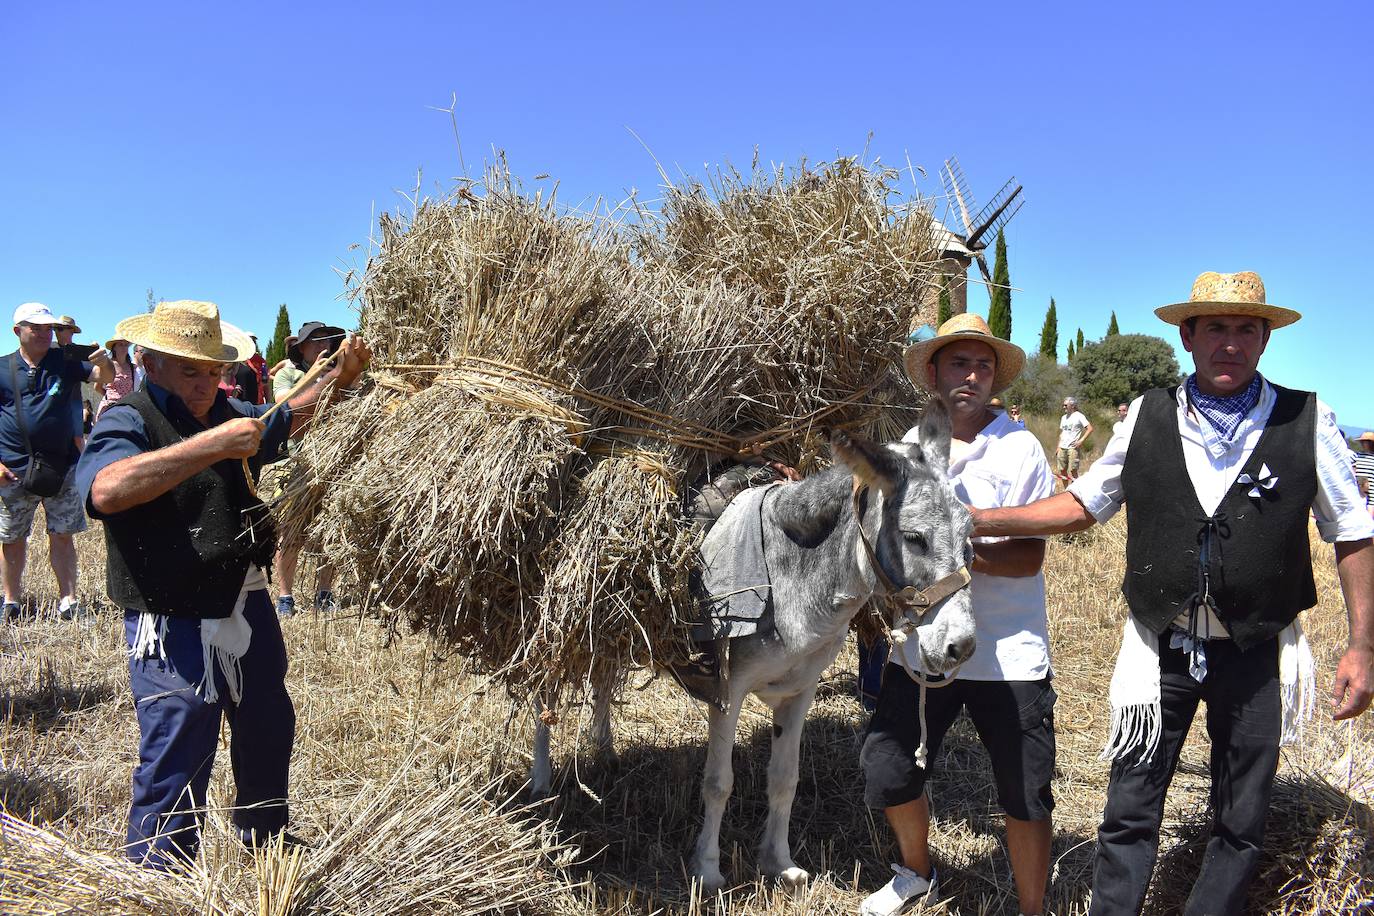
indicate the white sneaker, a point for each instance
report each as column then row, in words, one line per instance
column 904, row 891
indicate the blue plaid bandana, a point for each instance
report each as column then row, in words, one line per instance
column 1224, row 414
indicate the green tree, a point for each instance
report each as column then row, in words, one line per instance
column 1069, row 358
column 1049, row 334
column 1040, row 387
column 1112, row 327
column 1080, row 340
column 276, row 350
column 999, row 297
column 946, row 310
column 1124, row 366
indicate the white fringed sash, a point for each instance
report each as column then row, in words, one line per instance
column 222, row 640
column 1134, row 692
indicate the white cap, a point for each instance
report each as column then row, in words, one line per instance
column 34, row 313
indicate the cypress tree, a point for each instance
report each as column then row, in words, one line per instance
column 1080, row 338
column 1049, row 334
column 1069, row 358
column 946, row 310
column 276, row 350
column 1112, row 327
column 999, row 297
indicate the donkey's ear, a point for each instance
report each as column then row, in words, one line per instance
column 874, row 464
column 935, row 430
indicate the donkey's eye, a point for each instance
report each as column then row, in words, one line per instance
column 915, row 538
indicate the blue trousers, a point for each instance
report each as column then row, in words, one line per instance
column 871, row 664
column 179, row 731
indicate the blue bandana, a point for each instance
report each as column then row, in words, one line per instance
column 1224, row 414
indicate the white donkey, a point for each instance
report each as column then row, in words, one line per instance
column 883, row 523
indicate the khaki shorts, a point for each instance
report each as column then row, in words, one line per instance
column 65, row 513
column 1067, row 461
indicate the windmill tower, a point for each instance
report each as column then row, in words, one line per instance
column 957, row 250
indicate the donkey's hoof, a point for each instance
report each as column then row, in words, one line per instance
column 710, row 879
column 793, row 879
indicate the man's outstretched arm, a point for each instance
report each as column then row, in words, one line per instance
column 1058, row 514
column 1354, row 686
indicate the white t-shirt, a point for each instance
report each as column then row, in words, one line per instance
column 1071, row 426
column 1004, row 465
column 1213, row 467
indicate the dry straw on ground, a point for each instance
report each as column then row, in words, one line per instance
column 374, row 713
column 549, row 386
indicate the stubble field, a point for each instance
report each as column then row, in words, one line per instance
column 407, row 772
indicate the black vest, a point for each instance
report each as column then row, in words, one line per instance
column 1259, row 561
column 185, row 554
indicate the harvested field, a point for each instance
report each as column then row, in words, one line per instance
column 404, row 764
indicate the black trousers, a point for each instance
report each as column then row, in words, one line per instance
column 1241, row 690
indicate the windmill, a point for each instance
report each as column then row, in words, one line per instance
column 980, row 227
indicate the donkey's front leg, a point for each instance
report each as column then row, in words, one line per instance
column 775, row 853
column 603, row 741
column 541, row 767
column 717, row 780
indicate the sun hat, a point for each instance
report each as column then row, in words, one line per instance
column 189, row 329
column 1228, row 294
column 1365, row 437
column 316, row 330
column 109, row 344
column 67, row 321
column 968, row 326
column 34, row 313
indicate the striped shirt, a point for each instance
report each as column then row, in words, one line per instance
column 1364, row 470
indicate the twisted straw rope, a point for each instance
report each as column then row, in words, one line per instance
column 492, row 381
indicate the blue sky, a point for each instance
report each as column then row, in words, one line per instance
column 237, row 152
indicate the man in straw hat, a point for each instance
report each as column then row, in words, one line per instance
column 187, row 541
column 40, row 408
column 1218, row 476
column 1364, row 467
column 1006, row 684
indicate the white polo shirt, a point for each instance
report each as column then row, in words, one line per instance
column 1213, row 467
column 1004, row 465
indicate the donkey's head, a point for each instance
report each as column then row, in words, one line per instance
column 917, row 536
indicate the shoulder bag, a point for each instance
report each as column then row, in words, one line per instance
column 43, row 477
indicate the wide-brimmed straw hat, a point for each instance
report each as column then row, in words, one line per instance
column 968, row 326
column 189, row 329
column 1365, row 437
column 67, row 321
column 1228, row 294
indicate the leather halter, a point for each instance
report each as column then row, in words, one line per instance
column 909, row 599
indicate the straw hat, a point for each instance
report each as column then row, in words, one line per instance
column 189, row 329
column 968, row 326
column 1228, row 294
column 67, row 321
column 1365, row 437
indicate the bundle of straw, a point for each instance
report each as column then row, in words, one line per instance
column 551, row 386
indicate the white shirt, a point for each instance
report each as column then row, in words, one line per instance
column 1213, row 467
column 1004, row 465
column 1071, row 427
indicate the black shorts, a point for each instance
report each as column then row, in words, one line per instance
column 1015, row 720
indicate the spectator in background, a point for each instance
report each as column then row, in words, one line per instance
column 122, row 385
column 1121, row 411
column 39, row 387
column 1073, row 429
column 228, row 381
column 136, row 357
column 1364, row 468
column 63, row 332
column 248, row 376
column 314, row 341
column 1014, row 412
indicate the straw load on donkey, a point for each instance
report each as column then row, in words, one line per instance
column 552, row 387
